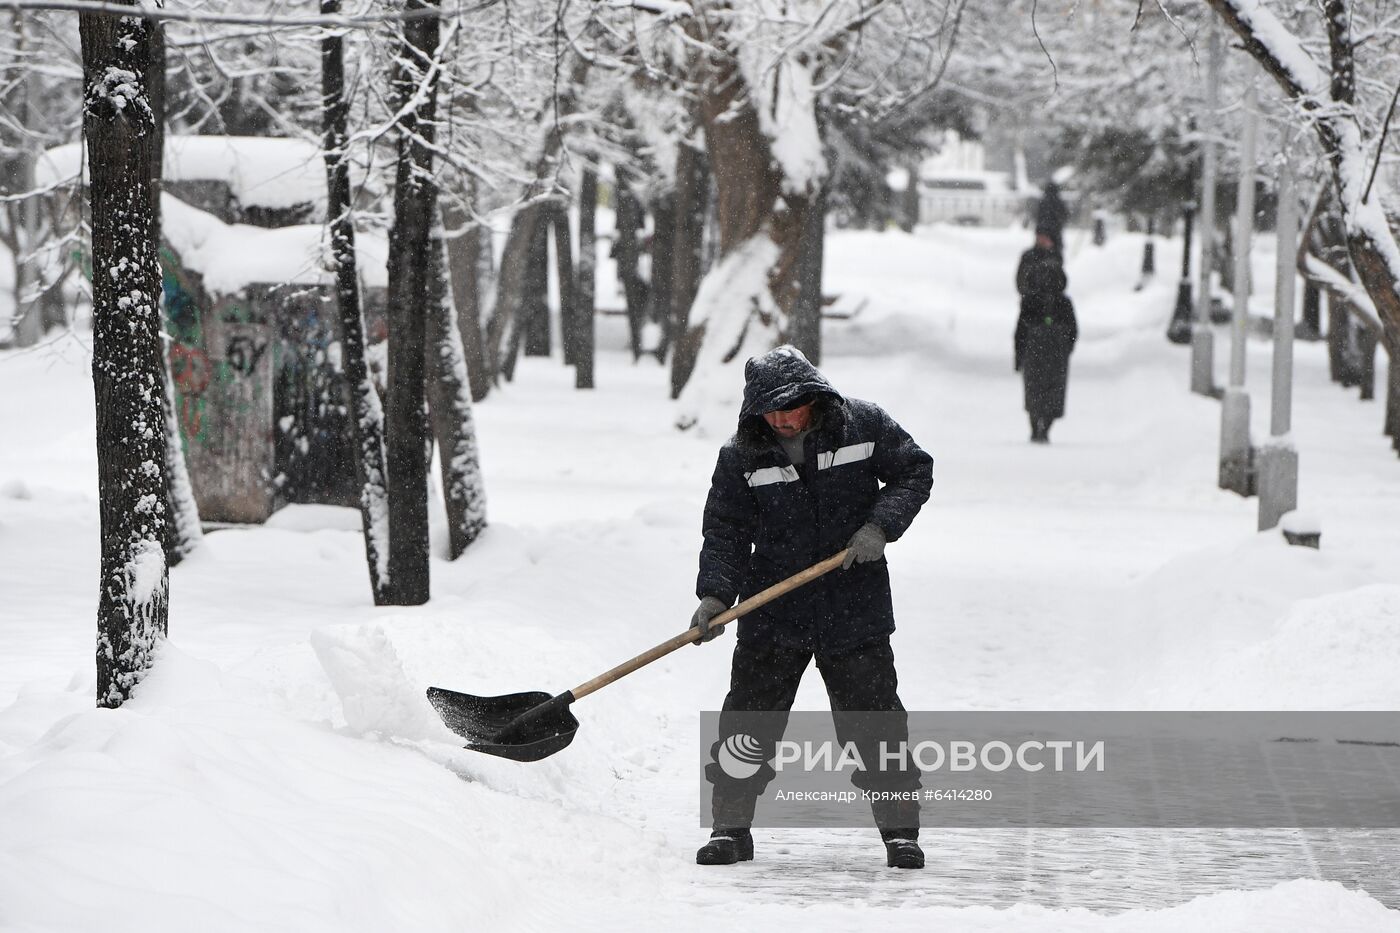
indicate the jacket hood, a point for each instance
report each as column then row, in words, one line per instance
column 779, row 377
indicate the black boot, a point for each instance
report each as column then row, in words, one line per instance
column 899, row 828
column 727, row 846
column 903, row 853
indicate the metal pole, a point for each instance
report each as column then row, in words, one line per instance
column 1244, row 234
column 1202, row 342
column 1236, row 451
column 1179, row 328
column 1278, row 460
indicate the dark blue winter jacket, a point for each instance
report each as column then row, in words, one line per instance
column 766, row 519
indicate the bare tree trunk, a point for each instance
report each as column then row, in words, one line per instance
column 534, row 307
column 583, row 332
column 628, row 254
column 366, row 413
column 449, row 402
column 663, row 241
column 1392, row 394
column 464, row 264
column 127, row 362
column 688, row 254
column 1339, row 338
column 503, row 330
column 806, row 330
column 1312, row 312
column 415, row 201
column 1366, row 340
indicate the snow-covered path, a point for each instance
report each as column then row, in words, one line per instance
column 277, row 785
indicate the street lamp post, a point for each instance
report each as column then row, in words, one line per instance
column 1179, row 328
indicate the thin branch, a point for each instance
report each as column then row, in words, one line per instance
column 1055, row 72
column 1380, row 146
column 351, row 21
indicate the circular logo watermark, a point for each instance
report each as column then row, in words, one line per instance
column 740, row 756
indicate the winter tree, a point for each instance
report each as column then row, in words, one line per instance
column 415, row 80
column 127, row 357
column 366, row 412
column 1331, row 89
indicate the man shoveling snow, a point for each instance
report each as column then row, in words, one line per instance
column 807, row 473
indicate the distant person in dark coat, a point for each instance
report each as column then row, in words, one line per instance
column 808, row 473
column 1045, row 335
column 1051, row 215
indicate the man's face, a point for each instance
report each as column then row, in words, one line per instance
column 790, row 422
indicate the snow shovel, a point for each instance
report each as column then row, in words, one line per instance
column 534, row 725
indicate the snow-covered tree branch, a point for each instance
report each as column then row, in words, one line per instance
column 1326, row 97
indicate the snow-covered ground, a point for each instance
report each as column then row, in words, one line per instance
column 279, row 770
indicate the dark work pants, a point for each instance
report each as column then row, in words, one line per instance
column 863, row 679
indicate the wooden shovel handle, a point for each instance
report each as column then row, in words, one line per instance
column 724, row 618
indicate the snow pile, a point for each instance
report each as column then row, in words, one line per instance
column 1338, row 651
column 230, row 257
column 194, row 807
column 1299, row 522
column 374, row 691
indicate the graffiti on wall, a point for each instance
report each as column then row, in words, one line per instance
column 214, row 357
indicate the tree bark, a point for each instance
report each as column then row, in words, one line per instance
column 503, row 330
column 750, row 184
column 464, row 253
column 1366, row 340
column 663, row 242
column 127, row 362
column 450, row 406
column 1312, row 312
column 761, row 215
column 583, row 330
column 627, row 251
column 1338, row 338
column 688, row 253
column 366, row 413
column 806, row 330
column 534, row 307
column 1392, row 394
column 415, row 201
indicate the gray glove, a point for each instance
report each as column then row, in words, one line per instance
column 865, row 545
column 709, row 608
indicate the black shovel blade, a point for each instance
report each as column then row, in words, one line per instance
column 480, row 721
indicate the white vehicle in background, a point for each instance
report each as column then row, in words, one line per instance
column 972, row 198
